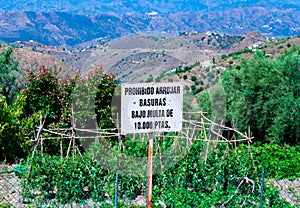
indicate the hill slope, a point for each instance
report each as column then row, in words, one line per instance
column 136, row 57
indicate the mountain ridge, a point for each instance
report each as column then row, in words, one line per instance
column 94, row 7
column 61, row 28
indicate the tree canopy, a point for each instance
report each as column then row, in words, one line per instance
column 8, row 75
column 264, row 95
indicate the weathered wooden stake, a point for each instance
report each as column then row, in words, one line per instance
column 149, row 172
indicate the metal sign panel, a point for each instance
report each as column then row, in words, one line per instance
column 151, row 107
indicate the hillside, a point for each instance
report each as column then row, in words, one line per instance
column 147, row 57
column 137, row 57
column 29, row 58
column 203, row 75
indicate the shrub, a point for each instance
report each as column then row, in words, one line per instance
column 11, row 140
column 193, row 78
column 200, row 89
column 280, row 162
column 63, row 181
column 197, row 82
column 223, row 56
column 193, row 87
column 47, row 93
column 211, row 75
column 198, row 183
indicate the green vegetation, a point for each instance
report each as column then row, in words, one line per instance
column 281, row 162
column 67, row 180
column 200, row 182
column 262, row 94
column 211, row 183
column 9, row 135
column 47, row 93
column 8, row 75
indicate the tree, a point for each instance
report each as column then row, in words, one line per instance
column 92, row 98
column 11, row 140
column 264, row 95
column 8, row 75
column 48, row 93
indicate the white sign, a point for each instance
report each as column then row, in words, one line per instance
column 151, row 107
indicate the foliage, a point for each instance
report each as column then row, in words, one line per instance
column 49, row 94
column 8, row 75
column 12, row 144
column 193, row 87
column 193, row 182
column 92, row 98
column 205, row 102
column 193, row 78
column 198, row 90
column 63, row 180
column 264, row 94
column 104, row 96
column 279, row 162
column 6, row 205
column 180, row 70
column 196, row 183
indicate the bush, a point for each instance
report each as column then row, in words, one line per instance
column 280, row 162
column 193, row 87
column 223, row 56
column 47, row 93
column 196, row 183
column 211, row 75
column 10, row 137
column 200, row 89
column 63, row 181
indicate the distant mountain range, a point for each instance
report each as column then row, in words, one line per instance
column 72, row 22
column 94, row 7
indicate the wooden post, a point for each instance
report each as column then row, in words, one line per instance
column 149, row 172
column 117, row 189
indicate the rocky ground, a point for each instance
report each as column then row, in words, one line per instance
column 9, row 187
column 289, row 190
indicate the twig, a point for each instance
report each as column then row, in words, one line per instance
column 246, row 179
column 42, row 122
